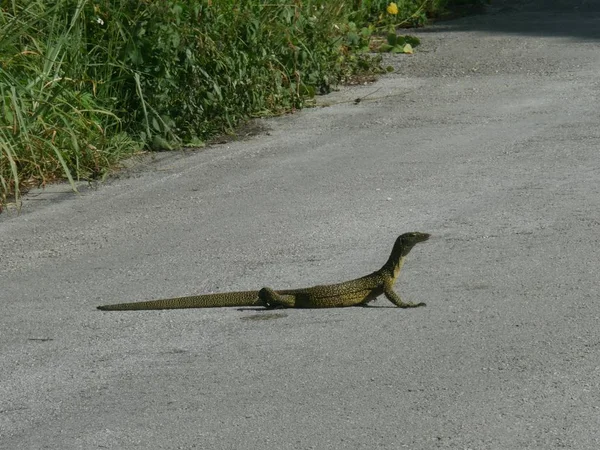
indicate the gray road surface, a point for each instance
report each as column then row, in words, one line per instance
column 488, row 138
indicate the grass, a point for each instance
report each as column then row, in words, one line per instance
column 85, row 84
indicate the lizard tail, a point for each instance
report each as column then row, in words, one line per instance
column 244, row 298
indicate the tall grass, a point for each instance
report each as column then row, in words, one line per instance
column 52, row 125
column 85, row 83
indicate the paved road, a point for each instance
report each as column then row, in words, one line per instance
column 488, row 138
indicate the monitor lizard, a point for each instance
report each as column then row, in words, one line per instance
column 356, row 292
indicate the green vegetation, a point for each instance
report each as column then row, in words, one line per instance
column 84, row 83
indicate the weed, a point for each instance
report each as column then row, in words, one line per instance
column 84, row 84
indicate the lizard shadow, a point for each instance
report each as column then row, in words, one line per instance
column 307, row 309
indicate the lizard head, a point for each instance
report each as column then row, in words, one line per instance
column 413, row 238
column 407, row 241
column 402, row 247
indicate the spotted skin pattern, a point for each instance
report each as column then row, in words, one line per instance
column 356, row 292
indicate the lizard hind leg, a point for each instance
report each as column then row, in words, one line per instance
column 271, row 299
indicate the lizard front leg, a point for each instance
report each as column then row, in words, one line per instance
column 393, row 297
column 271, row 299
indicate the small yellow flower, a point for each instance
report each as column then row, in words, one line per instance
column 392, row 8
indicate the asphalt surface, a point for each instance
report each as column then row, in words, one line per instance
column 487, row 138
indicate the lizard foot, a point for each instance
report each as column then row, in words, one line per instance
column 269, row 298
column 272, row 300
column 412, row 305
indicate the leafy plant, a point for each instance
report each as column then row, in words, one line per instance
column 84, row 84
column 399, row 44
